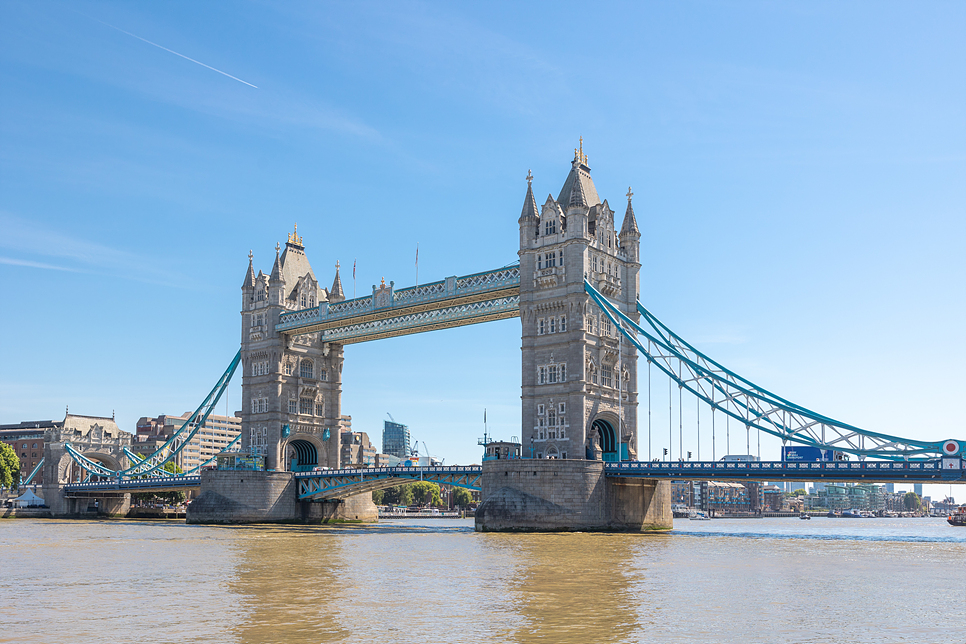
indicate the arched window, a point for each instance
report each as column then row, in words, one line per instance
column 305, row 369
column 304, row 301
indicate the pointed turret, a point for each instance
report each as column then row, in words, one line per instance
column 630, row 235
column 529, row 203
column 276, row 275
column 335, row 293
column 577, row 196
column 249, row 283
column 630, row 221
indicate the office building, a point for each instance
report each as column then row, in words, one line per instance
column 396, row 440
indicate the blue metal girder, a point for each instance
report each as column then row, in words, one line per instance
column 338, row 484
column 455, row 301
column 871, row 471
column 173, row 446
column 33, row 473
column 751, row 405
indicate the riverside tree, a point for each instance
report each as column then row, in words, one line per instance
column 462, row 497
column 911, row 501
column 9, row 466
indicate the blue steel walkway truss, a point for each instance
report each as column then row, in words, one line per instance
column 387, row 313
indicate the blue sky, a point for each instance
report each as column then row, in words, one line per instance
column 799, row 172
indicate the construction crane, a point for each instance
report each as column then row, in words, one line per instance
column 431, row 457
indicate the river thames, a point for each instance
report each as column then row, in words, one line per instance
column 728, row 581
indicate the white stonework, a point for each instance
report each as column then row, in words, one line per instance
column 571, row 353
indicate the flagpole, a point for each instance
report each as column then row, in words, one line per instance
column 353, row 279
column 417, row 263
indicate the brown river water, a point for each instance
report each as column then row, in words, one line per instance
column 729, row 581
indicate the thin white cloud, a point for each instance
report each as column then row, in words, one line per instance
column 89, row 257
column 31, row 264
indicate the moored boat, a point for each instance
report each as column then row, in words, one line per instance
column 958, row 518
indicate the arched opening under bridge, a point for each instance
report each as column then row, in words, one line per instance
column 608, row 439
column 69, row 471
column 302, row 456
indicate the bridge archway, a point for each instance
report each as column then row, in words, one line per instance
column 603, row 426
column 70, row 472
column 301, row 454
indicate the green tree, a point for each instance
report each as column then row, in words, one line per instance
column 9, row 466
column 911, row 501
column 426, row 493
column 800, row 492
column 398, row 495
column 378, row 496
column 462, row 497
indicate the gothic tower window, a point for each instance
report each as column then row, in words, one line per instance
column 305, row 369
column 563, row 323
column 551, row 227
column 540, row 326
column 306, row 406
column 293, row 406
column 553, row 325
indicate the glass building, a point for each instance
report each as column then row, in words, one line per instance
column 395, row 440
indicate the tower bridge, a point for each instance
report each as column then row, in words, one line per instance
column 576, row 291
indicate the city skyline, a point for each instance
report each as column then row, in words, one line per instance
column 801, row 217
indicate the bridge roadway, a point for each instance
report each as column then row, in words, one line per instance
column 152, row 484
column 334, row 484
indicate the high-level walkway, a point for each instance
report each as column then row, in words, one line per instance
column 452, row 302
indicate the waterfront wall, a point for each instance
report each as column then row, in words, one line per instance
column 268, row 497
column 568, row 495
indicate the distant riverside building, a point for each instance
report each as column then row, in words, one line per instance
column 357, row 450
column 396, row 440
column 213, row 438
column 27, row 440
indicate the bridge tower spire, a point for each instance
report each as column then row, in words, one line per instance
column 571, row 359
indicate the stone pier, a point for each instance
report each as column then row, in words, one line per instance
column 568, row 495
column 269, row 497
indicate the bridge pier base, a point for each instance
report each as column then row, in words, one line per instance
column 269, row 497
column 568, row 495
column 89, row 504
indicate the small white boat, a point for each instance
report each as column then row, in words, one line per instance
column 698, row 515
column 805, row 516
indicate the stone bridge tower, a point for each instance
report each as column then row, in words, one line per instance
column 579, row 376
column 99, row 439
column 291, row 385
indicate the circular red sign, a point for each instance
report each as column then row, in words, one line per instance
column 951, row 448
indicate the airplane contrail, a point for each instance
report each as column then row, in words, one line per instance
column 197, row 62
